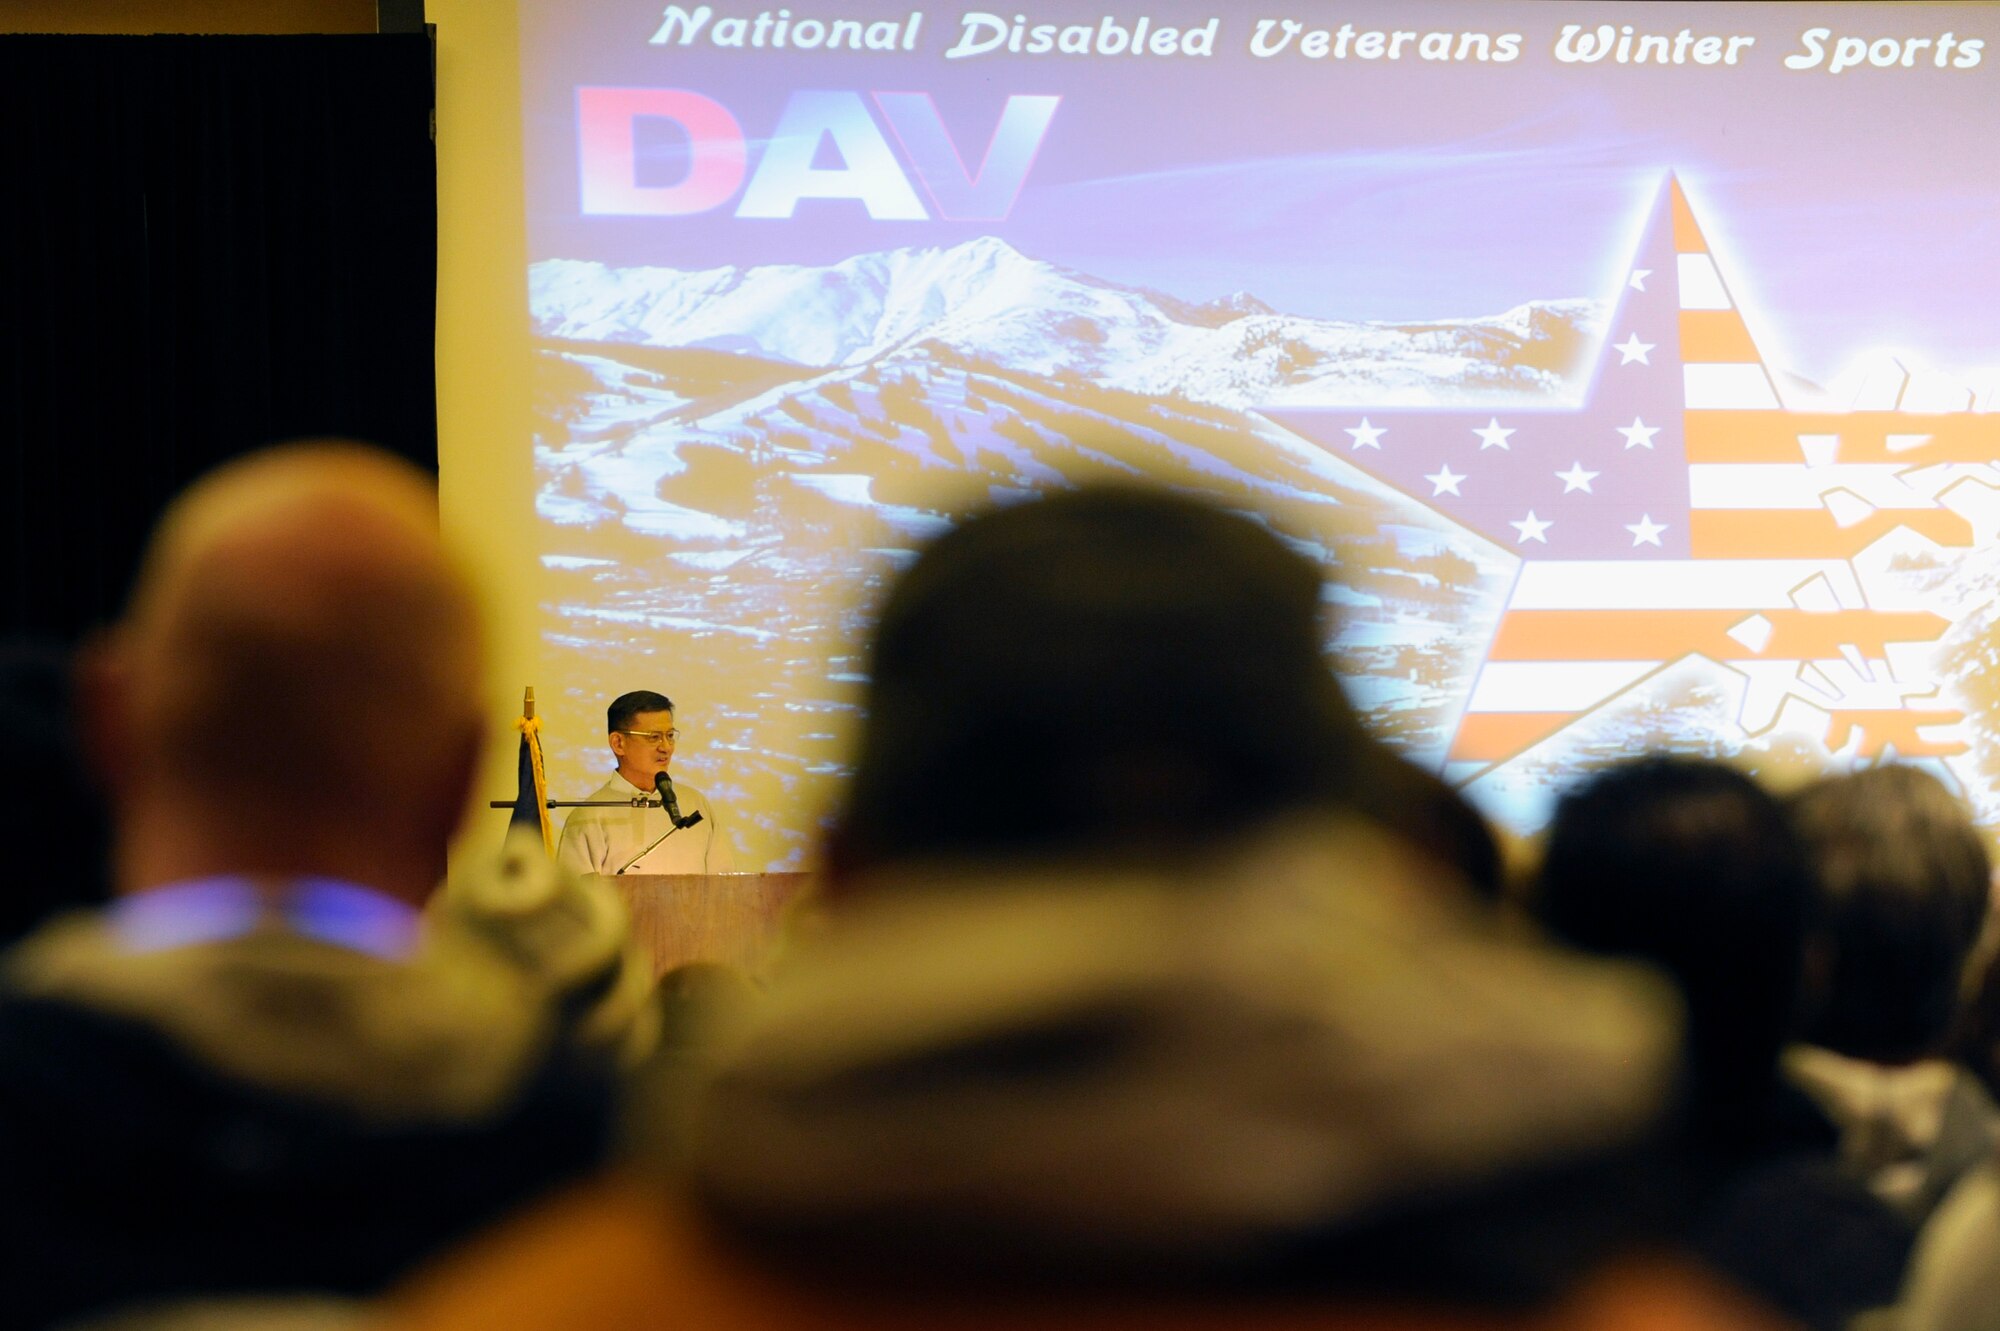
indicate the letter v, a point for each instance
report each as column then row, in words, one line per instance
column 958, row 194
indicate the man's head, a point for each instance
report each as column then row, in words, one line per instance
column 296, row 684
column 1905, row 882
column 1110, row 671
column 642, row 735
column 1691, row 865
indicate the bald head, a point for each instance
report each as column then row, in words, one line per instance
column 299, row 667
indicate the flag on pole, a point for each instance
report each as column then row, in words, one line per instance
column 531, row 800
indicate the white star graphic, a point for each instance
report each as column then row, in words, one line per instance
column 1638, row 434
column 1576, row 478
column 1444, row 481
column 1368, row 435
column 1531, row 529
column 1632, row 349
column 1638, row 279
column 1493, row 436
column 1645, row 531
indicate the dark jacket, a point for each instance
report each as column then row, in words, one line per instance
column 265, row 1113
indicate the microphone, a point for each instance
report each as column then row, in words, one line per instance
column 664, row 784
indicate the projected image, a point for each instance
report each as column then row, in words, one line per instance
column 1613, row 428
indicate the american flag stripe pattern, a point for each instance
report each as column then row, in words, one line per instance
column 1684, row 511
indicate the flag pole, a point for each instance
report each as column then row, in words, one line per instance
column 531, row 799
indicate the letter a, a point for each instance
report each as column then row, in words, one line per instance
column 870, row 173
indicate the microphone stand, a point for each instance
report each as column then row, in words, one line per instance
column 690, row 821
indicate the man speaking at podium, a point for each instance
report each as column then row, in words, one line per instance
column 633, row 838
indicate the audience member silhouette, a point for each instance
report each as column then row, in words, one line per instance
column 1691, row 865
column 1953, row 1282
column 1115, row 673
column 1905, row 881
column 1121, row 1015
column 253, row 1072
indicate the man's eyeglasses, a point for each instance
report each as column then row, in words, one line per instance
column 654, row 736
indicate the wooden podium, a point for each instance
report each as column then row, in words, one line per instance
column 727, row 917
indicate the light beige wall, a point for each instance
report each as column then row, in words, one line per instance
column 205, row 16
column 485, row 458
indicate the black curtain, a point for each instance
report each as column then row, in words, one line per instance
column 206, row 244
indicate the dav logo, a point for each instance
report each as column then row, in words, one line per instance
column 904, row 166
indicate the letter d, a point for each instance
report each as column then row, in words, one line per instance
column 968, row 43
column 607, row 152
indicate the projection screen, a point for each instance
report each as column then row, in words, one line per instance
column 1629, row 367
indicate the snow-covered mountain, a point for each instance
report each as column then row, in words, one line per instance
column 986, row 299
column 734, row 461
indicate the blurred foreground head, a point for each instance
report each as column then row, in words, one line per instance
column 1904, row 879
column 1691, row 865
column 295, row 685
column 1159, row 1009
column 1110, row 670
